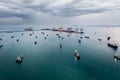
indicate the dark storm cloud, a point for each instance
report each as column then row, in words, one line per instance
column 76, row 7
column 27, row 9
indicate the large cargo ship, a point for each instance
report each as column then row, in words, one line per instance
column 28, row 29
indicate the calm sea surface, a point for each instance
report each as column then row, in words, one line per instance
column 47, row 61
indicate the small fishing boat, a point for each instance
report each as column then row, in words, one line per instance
column 12, row 36
column 114, row 46
column 77, row 55
column 79, row 41
column 1, row 46
column 59, row 36
column 19, row 59
column 100, row 39
column 117, row 57
column 36, row 36
column 60, row 45
column 17, row 40
column 0, row 39
column 81, row 37
column 68, row 35
column 43, row 33
column 45, row 37
column 35, row 42
column 86, row 37
column 22, row 34
column 30, row 34
column 108, row 38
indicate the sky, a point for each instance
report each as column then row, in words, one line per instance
column 84, row 12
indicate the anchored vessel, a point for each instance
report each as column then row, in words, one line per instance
column 77, row 55
column 1, row 46
column 108, row 38
column 28, row 29
column 117, row 57
column 114, row 46
column 19, row 59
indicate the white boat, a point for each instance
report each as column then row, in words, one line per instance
column 117, row 56
column 19, row 59
column 77, row 55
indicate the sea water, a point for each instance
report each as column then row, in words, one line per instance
column 47, row 61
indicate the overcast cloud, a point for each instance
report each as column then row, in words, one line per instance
column 64, row 11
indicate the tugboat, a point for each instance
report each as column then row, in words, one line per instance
column 114, row 46
column 77, row 55
column 19, row 59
